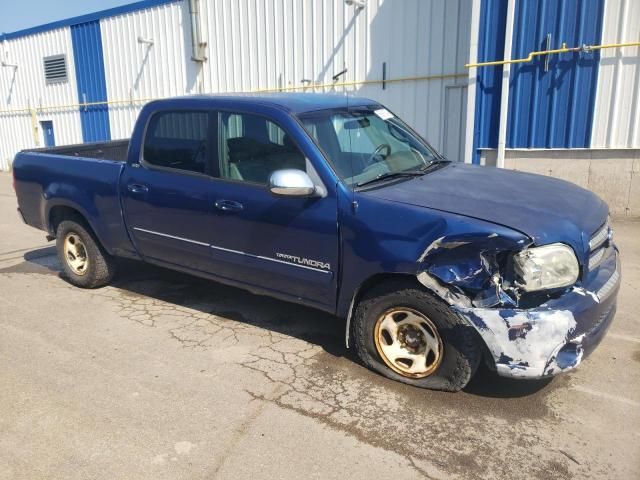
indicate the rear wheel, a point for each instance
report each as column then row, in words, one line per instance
column 408, row 335
column 85, row 263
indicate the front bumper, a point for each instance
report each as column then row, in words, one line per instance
column 556, row 336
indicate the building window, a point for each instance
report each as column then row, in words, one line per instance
column 55, row 69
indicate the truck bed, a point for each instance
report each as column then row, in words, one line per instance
column 115, row 150
column 82, row 177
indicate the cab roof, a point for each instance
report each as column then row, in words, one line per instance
column 292, row 102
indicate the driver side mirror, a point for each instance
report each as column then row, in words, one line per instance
column 291, row 183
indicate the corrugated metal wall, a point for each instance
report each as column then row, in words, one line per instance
column 25, row 86
column 279, row 43
column 271, row 44
column 552, row 100
column 255, row 44
column 136, row 70
column 553, row 107
column 90, row 78
column 493, row 14
column 617, row 111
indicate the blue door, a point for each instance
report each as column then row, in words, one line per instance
column 47, row 132
column 90, row 81
column 193, row 203
column 167, row 196
column 285, row 245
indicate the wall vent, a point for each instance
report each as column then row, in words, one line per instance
column 55, row 69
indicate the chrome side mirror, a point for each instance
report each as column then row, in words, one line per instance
column 291, row 183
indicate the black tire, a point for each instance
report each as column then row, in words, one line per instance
column 101, row 266
column 461, row 345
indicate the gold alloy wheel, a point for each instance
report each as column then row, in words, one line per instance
column 75, row 254
column 408, row 342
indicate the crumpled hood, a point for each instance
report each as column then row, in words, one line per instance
column 546, row 209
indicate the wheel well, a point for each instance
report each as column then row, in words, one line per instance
column 411, row 280
column 62, row 212
column 382, row 278
column 370, row 283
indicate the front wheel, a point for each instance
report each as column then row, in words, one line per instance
column 408, row 335
column 85, row 263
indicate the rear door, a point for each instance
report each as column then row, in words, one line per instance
column 167, row 195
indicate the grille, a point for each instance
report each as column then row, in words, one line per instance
column 596, row 258
column 599, row 237
column 597, row 245
column 606, row 289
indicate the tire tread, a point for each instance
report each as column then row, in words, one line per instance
column 466, row 363
column 102, row 266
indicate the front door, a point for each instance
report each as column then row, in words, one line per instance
column 285, row 245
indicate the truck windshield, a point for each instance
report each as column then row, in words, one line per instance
column 368, row 143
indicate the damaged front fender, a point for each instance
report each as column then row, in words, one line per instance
column 468, row 270
column 552, row 335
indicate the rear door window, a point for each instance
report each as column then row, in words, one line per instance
column 178, row 140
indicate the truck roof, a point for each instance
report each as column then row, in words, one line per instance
column 293, row 102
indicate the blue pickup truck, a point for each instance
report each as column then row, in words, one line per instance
column 333, row 202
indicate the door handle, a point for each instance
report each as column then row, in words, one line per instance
column 228, row 206
column 137, row 188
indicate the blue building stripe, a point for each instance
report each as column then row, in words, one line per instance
column 90, row 80
column 554, row 108
column 493, row 15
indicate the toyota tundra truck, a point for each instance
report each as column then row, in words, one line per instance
column 333, row 202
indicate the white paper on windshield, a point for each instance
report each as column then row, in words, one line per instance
column 383, row 113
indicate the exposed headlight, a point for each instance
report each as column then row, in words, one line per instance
column 547, row 267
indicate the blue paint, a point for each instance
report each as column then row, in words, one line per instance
column 554, row 109
column 493, row 16
column 478, row 216
column 111, row 12
column 90, row 79
column 547, row 210
column 551, row 109
column 48, row 134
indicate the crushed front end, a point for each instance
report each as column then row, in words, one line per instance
column 528, row 333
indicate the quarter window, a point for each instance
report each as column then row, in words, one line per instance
column 178, row 140
column 251, row 148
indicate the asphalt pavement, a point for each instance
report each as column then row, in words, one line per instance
column 165, row 376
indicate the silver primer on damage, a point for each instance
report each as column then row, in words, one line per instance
column 524, row 342
column 450, row 295
column 585, row 292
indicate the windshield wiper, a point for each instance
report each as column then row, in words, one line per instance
column 433, row 164
column 389, row 175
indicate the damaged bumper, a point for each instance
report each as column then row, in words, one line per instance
column 554, row 337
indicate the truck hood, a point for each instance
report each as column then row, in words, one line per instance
column 546, row 209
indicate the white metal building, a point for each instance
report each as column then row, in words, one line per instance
column 572, row 114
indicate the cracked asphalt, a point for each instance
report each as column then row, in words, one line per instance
column 163, row 376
